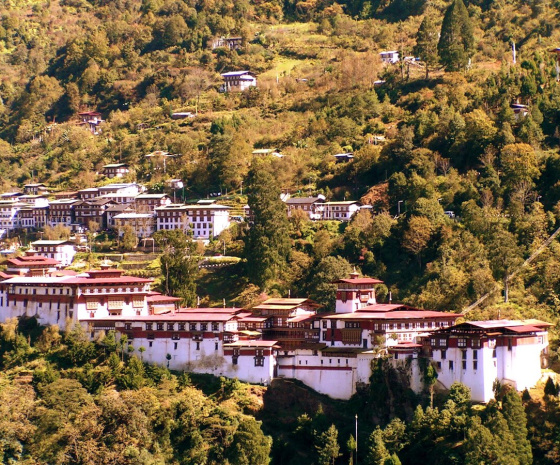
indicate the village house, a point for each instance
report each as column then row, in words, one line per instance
column 313, row 206
column 61, row 212
column 238, row 81
column 143, row 224
column 232, row 43
column 61, row 251
column 202, row 221
column 9, row 216
column 344, row 157
column 31, row 264
column 91, row 120
column 340, row 211
column 116, row 170
column 89, row 211
column 390, row 57
column 147, row 203
column 35, row 189
column 40, row 215
column 520, row 111
column 88, row 193
column 25, row 219
column 115, row 210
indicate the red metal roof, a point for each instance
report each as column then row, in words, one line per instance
column 523, row 329
column 359, row 281
column 252, row 344
column 162, row 298
column 109, row 281
column 396, row 315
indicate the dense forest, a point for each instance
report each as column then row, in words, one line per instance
column 67, row 400
column 463, row 190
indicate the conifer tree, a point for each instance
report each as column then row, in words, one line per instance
column 328, row 448
column 514, row 413
column 456, row 42
column 427, row 42
column 377, row 453
column 267, row 245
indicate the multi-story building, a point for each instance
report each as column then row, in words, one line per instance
column 62, row 251
column 147, row 203
column 477, row 353
column 202, row 221
column 116, row 170
column 61, row 212
column 340, row 211
column 9, row 215
column 88, row 211
column 313, row 206
column 143, row 224
column 238, row 81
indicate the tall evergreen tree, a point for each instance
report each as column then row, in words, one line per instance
column 514, row 413
column 427, row 42
column 267, row 245
column 456, row 42
column 327, row 447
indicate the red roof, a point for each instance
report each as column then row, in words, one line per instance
column 524, row 329
column 170, row 317
column 108, row 281
column 27, row 262
column 396, row 315
column 359, row 281
column 252, row 344
column 162, row 298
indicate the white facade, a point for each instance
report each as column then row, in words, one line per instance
column 62, row 251
column 202, row 221
column 391, row 56
column 479, row 353
column 340, row 211
column 238, row 81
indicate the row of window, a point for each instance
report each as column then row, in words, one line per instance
column 180, row 326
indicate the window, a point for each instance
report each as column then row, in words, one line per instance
column 451, row 365
column 204, row 326
column 464, row 364
column 127, row 326
column 443, row 354
column 181, row 326
column 149, row 326
column 396, row 355
column 215, row 346
column 475, row 365
column 438, row 365
column 464, row 354
column 475, row 354
column 192, row 326
column 159, row 326
column 509, row 344
column 215, row 327
column 462, row 342
column 170, row 326
column 475, row 343
column 324, row 323
column 259, row 361
column 324, row 335
column 198, row 346
column 175, row 346
column 494, row 353
column 352, row 324
column 150, row 344
column 175, row 336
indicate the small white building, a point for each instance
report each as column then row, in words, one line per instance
column 62, row 251
column 313, row 206
column 340, row 211
column 238, row 81
column 391, row 56
column 116, row 170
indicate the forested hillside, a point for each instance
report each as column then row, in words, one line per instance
column 452, row 141
column 462, row 188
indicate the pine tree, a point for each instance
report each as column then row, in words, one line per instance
column 327, row 447
column 456, row 42
column 377, row 453
column 427, row 42
column 267, row 245
column 514, row 413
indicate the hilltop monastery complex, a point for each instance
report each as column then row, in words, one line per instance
column 282, row 337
